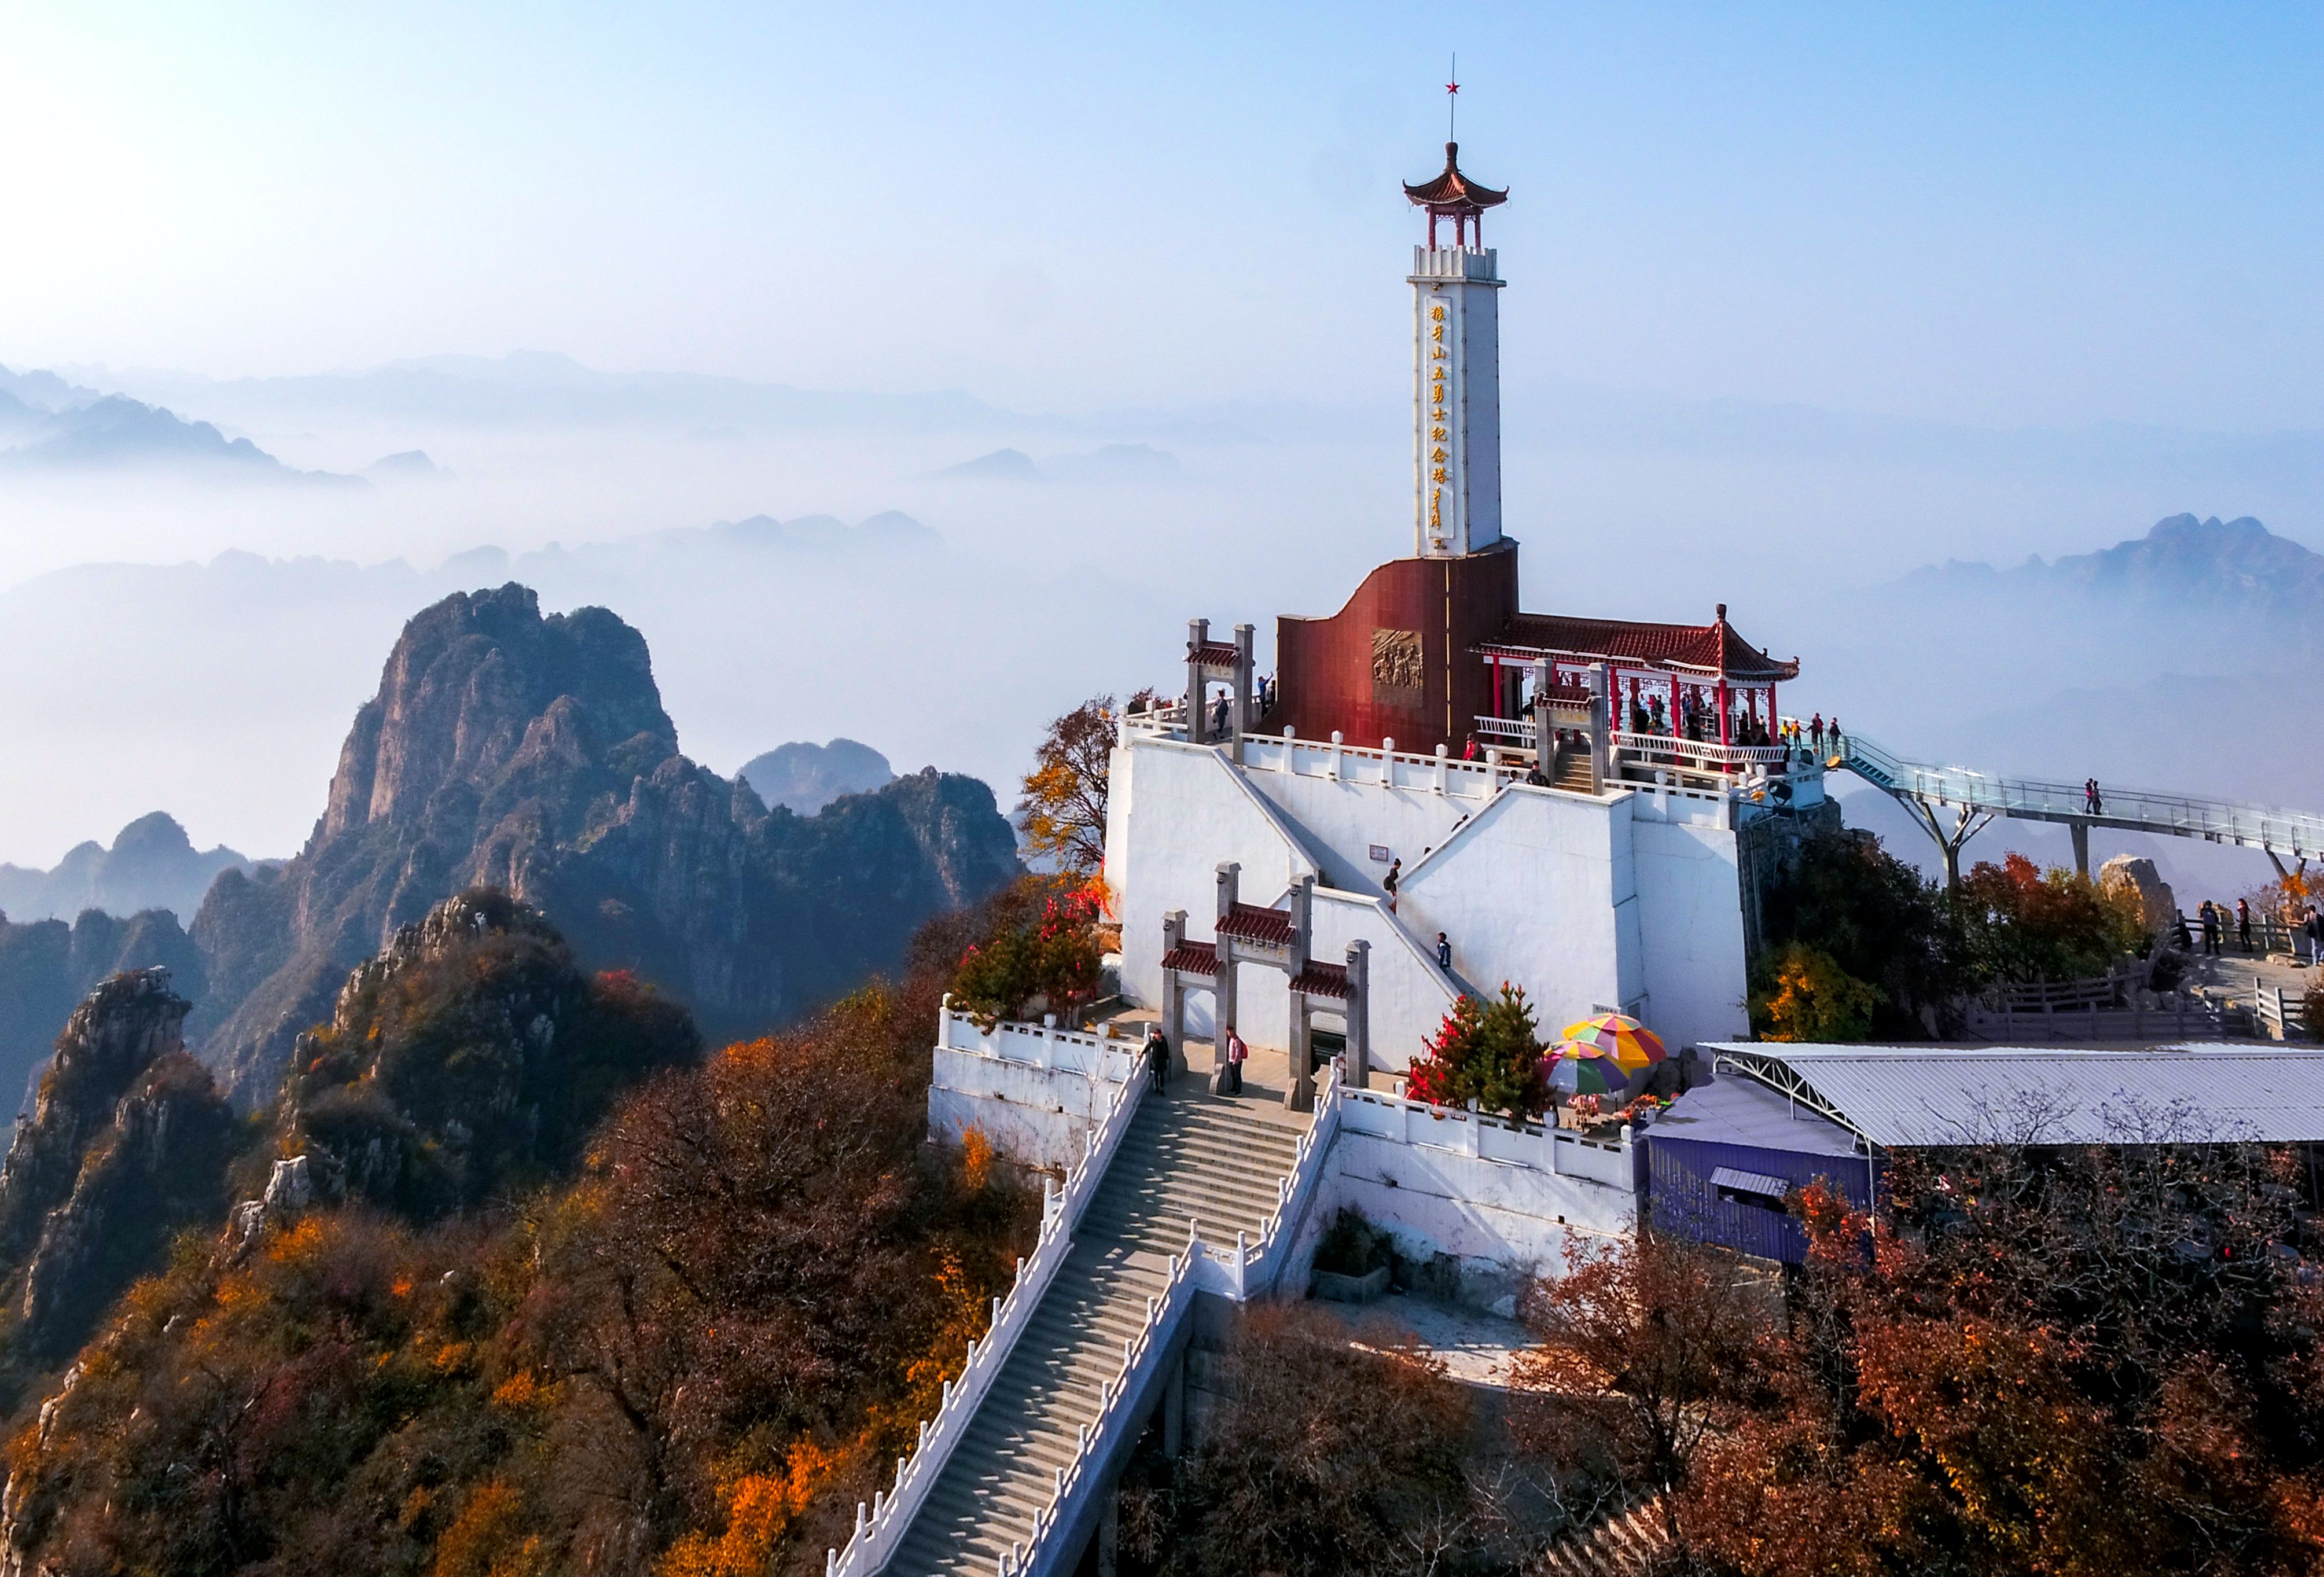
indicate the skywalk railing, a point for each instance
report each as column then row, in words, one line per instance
column 882, row 1525
column 2290, row 832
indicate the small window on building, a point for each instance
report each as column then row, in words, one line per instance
column 1757, row 1189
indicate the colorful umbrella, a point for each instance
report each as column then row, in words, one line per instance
column 1584, row 1070
column 1626, row 1040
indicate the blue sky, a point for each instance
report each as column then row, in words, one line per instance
column 1994, row 215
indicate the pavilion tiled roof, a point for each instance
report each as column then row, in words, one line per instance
column 1454, row 189
column 1710, row 650
column 1193, row 957
column 1249, row 923
column 1323, row 979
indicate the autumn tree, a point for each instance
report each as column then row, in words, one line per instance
column 1323, row 1459
column 1645, row 1348
column 2062, row 1359
column 1871, row 918
column 1063, row 811
column 2022, row 923
column 1812, row 998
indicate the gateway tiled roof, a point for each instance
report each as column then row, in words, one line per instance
column 1193, row 957
column 1250, row 923
column 1212, row 654
column 1709, row 649
column 1323, row 979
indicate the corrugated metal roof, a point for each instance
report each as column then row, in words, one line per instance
column 1744, row 1182
column 1929, row 1095
column 1734, row 1110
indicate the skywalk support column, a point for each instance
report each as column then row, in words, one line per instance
column 2081, row 834
column 1359, row 1015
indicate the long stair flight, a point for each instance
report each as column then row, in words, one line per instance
column 1189, row 1161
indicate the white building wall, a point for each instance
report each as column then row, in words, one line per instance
column 1344, row 818
column 1691, row 906
column 1625, row 900
column 1530, row 893
column 1174, row 812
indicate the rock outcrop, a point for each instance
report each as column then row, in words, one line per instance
column 2158, row 906
column 469, row 1060
column 532, row 754
column 127, row 1144
column 48, row 966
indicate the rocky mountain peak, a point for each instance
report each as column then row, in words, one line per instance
column 481, row 687
column 530, row 754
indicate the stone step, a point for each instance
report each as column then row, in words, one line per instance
column 1186, row 1157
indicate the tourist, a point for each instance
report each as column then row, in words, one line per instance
column 2178, row 931
column 2242, row 924
column 1237, row 1054
column 1470, row 752
column 1395, row 879
column 1443, row 954
column 1157, row 1058
column 1834, row 730
column 2092, row 800
column 2209, row 916
column 1815, row 732
column 1218, row 716
column 2313, row 929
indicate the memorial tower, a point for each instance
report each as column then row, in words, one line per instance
column 1456, row 371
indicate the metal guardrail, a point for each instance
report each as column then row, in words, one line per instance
column 2281, row 832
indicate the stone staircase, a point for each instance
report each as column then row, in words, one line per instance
column 1630, row 1544
column 1571, row 770
column 1191, row 1160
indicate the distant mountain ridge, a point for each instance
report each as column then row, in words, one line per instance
column 49, row 426
column 2236, row 566
column 152, row 865
column 804, row 777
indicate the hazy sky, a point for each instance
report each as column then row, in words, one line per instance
column 1998, row 215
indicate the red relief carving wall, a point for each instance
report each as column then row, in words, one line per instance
column 1323, row 666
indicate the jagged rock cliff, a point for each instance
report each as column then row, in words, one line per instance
column 127, row 1144
column 532, row 754
column 48, row 966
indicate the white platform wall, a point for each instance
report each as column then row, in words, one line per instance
column 1591, row 903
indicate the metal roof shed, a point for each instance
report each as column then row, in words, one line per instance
column 1913, row 1096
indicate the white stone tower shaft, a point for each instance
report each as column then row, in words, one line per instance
column 1456, row 400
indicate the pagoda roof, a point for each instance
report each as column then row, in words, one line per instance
column 1712, row 649
column 1453, row 191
